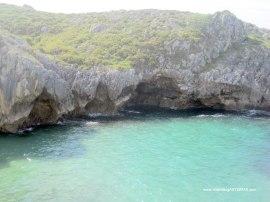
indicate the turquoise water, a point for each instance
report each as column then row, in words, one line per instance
column 154, row 157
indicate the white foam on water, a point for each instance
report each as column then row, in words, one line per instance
column 202, row 115
column 218, row 115
column 212, row 115
column 26, row 130
column 133, row 112
column 254, row 112
column 91, row 123
column 95, row 115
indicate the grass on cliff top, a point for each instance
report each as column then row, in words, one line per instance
column 259, row 39
column 115, row 39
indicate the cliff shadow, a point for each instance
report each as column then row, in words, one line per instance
column 55, row 142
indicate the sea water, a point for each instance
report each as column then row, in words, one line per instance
column 160, row 156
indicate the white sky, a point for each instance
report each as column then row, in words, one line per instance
column 254, row 11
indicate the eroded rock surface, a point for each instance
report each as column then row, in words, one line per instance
column 223, row 70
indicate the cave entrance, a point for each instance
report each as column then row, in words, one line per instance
column 44, row 110
column 159, row 92
column 164, row 92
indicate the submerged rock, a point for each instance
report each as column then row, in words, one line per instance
column 223, row 70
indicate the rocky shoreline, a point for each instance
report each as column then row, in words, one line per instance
column 224, row 70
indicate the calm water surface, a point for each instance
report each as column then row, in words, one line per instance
column 155, row 157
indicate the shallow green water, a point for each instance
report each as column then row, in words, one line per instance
column 147, row 158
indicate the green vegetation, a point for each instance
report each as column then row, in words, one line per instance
column 260, row 39
column 116, row 39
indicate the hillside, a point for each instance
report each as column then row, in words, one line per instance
column 57, row 65
column 118, row 39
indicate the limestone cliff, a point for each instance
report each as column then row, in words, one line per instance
column 224, row 69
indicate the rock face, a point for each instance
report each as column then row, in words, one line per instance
column 223, row 70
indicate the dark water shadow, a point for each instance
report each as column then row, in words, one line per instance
column 147, row 112
column 51, row 142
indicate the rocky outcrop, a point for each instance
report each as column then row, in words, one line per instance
column 224, row 70
column 29, row 93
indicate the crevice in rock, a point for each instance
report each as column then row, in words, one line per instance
column 102, row 102
column 44, row 111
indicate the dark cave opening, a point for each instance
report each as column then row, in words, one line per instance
column 44, row 110
column 163, row 92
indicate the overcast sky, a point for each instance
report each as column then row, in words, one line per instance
column 254, row 11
